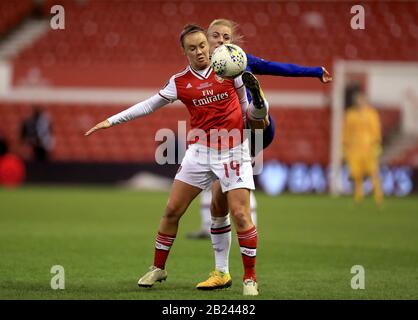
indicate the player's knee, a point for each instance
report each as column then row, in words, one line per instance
column 172, row 212
column 241, row 216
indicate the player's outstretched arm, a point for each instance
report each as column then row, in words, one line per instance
column 273, row 68
column 101, row 125
column 138, row 110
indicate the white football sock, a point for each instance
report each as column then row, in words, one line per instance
column 257, row 114
column 221, row 242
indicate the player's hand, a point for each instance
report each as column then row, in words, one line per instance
column 102, row 125
column 258, row 123
column 326, row 77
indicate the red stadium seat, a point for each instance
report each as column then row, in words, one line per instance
column 107, row 34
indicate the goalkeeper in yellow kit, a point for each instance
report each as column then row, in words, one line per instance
column 362, row 146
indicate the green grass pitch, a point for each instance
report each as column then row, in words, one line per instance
column 104, row 239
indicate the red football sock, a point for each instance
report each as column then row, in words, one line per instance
column 248, row 244
column 163, row 244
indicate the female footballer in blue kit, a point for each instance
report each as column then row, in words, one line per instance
column 223, row 31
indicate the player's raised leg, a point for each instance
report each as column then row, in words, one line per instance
column 181, row 196
column 257, row 112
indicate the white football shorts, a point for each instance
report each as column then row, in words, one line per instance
column 202, row 165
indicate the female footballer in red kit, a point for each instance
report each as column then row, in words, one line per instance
column 214, row 104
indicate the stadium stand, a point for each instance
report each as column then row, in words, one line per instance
column 97, row 50
column 409, row 157
column 12, row 13
column 137, row 53
column 302, row 134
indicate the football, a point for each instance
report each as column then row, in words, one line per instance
column 229, row 61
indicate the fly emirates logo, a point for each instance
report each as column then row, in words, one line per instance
column 209, row 97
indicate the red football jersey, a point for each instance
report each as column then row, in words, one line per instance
column 212, row 102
